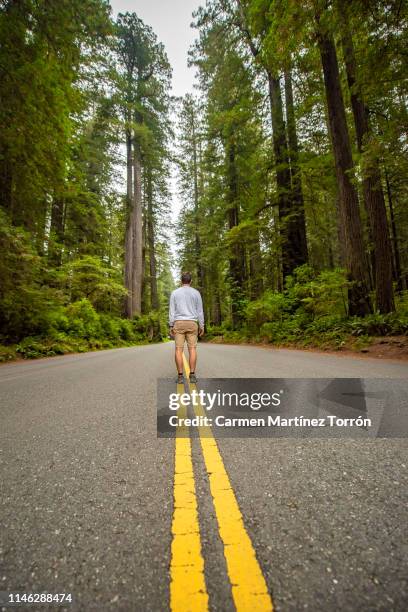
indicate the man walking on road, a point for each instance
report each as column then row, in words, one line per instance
column 186, row 320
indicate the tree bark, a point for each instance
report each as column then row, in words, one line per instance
column 197, row 241
column 255, row 269
column 237, row 255
column 154, row 296
column 217, row 312
column 56, row 231
column 145, row 263
column 292, row 228
column 128, row 308
column 6, row 182
column 397, row 259
column 372, row 186
column 298, row 222
column 283, row 180
column 137, row 231
column 358, row 299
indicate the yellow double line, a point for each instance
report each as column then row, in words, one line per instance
column 188, row 590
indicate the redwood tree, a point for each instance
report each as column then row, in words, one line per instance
column 372, row 184
column 356, row 262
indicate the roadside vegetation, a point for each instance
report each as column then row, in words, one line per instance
column 84, row 259
column 291, row 157
column 312, row 313
column 76, row 308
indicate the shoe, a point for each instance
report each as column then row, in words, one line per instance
column 193, row 378
column 180, row 379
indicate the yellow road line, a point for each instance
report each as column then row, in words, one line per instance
column 249, row 589
column 188, row 591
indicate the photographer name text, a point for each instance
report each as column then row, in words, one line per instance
column 330, row 420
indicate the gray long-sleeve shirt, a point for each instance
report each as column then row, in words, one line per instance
column 186, row 305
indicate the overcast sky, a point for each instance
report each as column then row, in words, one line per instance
column 170, row 20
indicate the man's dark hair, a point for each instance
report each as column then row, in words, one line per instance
column 186, row 278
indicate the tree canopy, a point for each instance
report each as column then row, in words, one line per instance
column 290, row 156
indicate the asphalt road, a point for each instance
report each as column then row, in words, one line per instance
column 87, row 488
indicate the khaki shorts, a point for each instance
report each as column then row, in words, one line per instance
column 185, row 330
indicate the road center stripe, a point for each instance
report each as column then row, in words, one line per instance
column 249, row 589
column 188, row 591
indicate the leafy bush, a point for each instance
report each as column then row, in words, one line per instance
column 149, row 326
column 271, row 307
column 32, row 347
column 83, row 320
column 311, row 311
column 402, row 304
column 7, row 353
column 110, row 326
column 125, row 329
column 25, row 298
column 79, row 328
column 90, row 277
column 380, row 324
column 318, row 294
column 44, row 311
column 306, row 296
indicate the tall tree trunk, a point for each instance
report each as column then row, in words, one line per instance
column 217, row 313
column 197, row 241
column 397, row 259
column 340, row 234
column 358, row 298
column 237, row 256
column 137, row 230
column 145, row 263
column 128, row 309
column 290, row 226
column 41, row 229
column 255, row 269
column 298, row 223
column 283, row 180
column 154, row 296
column 6, row 182
column 56, row 238
column 372, row 186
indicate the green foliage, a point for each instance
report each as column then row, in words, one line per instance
column 311, row 312
column 78, row 327
column 73, row 83
column 307, row 296
column 37, row 315
column 318, row 294
column 46, row 48
column 392, row 324
column 25, row 299
column 7, row 353
column 239, row 203
column 270, row 307
column 100, row 284
column 64, row 94
column 83, row 320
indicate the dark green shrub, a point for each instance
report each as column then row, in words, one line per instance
column 83, row 320
column 7, row 353
column 101, row 284
column 126, row 330
column 110, row 327
column 149, row 326
column 380, row 324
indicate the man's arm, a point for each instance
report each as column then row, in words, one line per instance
column 200, row 313
column 172, row 310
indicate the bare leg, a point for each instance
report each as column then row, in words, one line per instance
column 192, row 357
column 179, row 359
